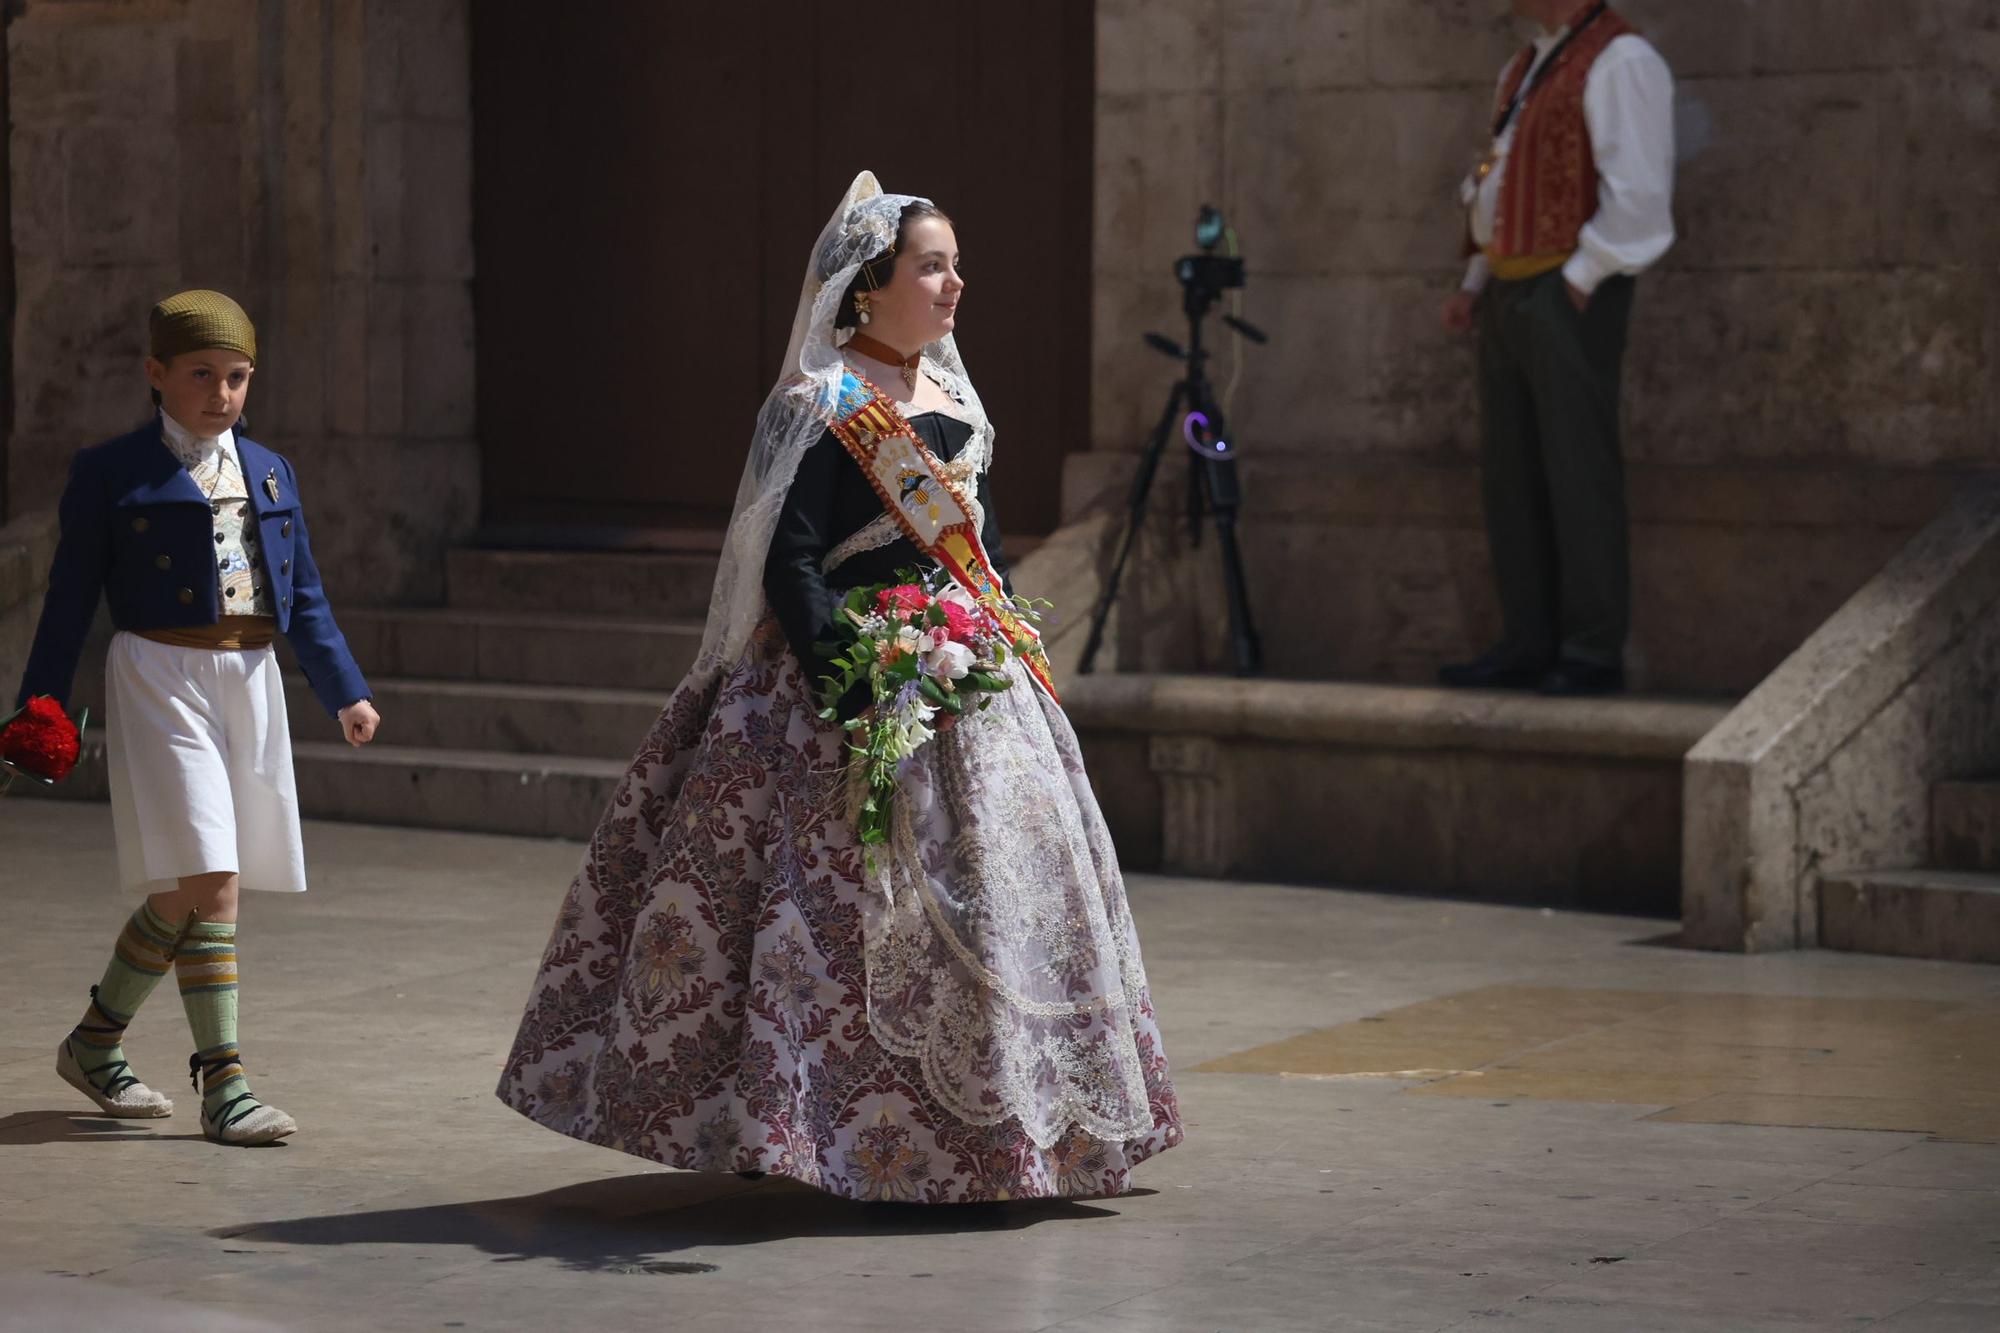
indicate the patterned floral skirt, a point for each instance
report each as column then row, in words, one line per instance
column 705, row 1002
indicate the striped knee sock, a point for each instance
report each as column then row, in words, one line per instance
column 144, row 952
column 206, row 966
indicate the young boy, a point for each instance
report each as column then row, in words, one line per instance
column 196, row 537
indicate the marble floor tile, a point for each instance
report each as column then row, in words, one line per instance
column 1765, row 1267
column 1546, row 1313
column 1941, row 1316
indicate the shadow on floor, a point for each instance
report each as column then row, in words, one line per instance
column 624, row 1223
column 25, row 1128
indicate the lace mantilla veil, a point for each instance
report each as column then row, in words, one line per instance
column 1000, row 952
column 801, row 407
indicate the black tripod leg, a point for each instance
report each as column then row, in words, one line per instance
column 1220, row 486
column 1142, row 485
column 1242, row 633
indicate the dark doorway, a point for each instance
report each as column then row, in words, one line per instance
column 7, row 17
column 648, row 181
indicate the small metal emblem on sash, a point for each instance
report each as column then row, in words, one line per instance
column 271, row 485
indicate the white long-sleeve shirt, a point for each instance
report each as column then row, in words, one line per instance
column 217, row 469
column 1628, row 106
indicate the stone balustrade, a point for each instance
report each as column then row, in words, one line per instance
column 1829, row 764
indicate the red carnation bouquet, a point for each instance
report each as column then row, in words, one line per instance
column 41, row 742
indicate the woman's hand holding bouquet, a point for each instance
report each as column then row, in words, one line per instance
column 928, row 653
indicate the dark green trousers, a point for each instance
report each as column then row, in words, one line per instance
column 1551, row 468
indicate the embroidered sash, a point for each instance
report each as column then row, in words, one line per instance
column 929, row 508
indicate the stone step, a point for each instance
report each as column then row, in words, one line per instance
column 528, row 648
column 1965, row 824
column 636, row 585
column 483, row 715
column 536, row 796
column 547, row 796
column 1570, row 802
column 1949, row 915
column 439, row 643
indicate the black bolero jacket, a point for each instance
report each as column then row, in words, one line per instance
column 830, row 500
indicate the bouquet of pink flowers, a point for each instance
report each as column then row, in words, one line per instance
column 924, row 647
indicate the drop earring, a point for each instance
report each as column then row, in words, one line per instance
column 861, row 303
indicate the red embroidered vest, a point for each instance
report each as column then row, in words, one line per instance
column 1549, row 189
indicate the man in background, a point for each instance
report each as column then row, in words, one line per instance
column 1570, row 202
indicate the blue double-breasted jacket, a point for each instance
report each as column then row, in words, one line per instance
column 138, row 530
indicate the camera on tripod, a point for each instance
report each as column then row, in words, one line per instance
column 1206, row 276
column 1209, row 276
column 1213, row 489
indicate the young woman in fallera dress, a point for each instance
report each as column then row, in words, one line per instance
column 732, row 984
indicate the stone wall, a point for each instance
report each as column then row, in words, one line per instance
column 26, row 546
column 312, row 158
column 1810, row 373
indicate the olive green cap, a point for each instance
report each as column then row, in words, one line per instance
column 192, row 321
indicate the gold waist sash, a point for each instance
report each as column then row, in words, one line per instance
column 1519, row 268
column 241, row 632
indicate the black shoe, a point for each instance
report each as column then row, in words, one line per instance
column 1493, row 670
column 1571, row 679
